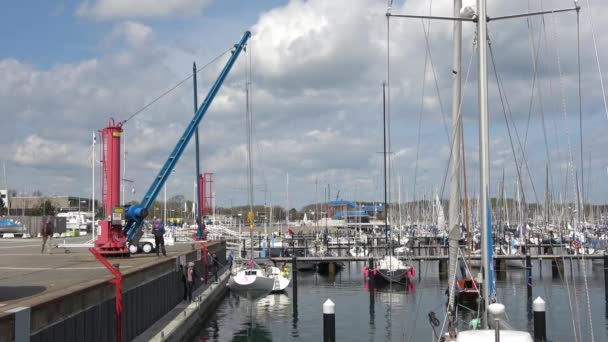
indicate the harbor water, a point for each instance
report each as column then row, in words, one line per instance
column 401, row 313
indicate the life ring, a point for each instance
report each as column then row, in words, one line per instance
column 576, row 244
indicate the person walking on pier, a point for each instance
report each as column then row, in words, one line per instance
column 158, row 229
column 46, row 231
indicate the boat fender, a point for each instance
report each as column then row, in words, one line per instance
column 413, row 271
column 375, row 271
column 365, row 271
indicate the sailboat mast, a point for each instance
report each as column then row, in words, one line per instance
column 454, row 204
column 484, row 156
column 384, row 155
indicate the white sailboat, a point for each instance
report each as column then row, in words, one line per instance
column 280, row 276
column 250, row 281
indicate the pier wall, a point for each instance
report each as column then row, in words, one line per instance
column 86, row 311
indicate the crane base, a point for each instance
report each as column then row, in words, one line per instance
column 112, row 241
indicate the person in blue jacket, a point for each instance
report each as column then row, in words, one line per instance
column 158, row 229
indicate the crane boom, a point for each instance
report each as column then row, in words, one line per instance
column 135, row 214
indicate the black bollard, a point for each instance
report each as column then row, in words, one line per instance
column 370, row 274
column 606, row 277
column 540, row 326
column 294, row 278
column 329, row 321
column 529, row 274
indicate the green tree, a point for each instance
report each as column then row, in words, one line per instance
column 2, row 207
column 44, row 208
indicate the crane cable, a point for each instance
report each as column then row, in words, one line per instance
column 174, row 87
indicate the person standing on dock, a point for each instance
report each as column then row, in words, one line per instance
column 190, row 279
column 216, row 265
column 158, row 229
column 230, row 259
column 46, row 231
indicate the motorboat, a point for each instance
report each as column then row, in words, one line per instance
column 251, row 282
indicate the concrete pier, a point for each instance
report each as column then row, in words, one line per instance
column 70, row 298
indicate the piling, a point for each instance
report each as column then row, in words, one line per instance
column 529, row 275
column 540, row 326
column 329, row 321
column 606, row 277
column 294, row 278
column 443, row 268
column 370, row 277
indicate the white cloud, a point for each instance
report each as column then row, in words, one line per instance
column 41, row 152
column 134, row 33
column 111, row 9
column 317, row 70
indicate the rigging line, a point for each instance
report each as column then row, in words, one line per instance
column 507, row 108
column 420, row 119
column 535, row 58
column 564, row 109
column 597, row 58
column 174, row 87
column 459, row 117
column 430, row 57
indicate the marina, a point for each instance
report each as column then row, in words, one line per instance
column 497, row 231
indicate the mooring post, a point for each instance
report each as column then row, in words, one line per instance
column 305, row 247
column 540, row 326
column 529, row 274
column 370, row 274
column 294, row 277
column 606, row 277
column 329, row 321
column 497, row 330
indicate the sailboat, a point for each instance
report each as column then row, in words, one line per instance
column 390, row 268
column 250, row 281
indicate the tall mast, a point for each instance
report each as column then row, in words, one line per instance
column 484, row 157
column 384, row 155
column 454, row 204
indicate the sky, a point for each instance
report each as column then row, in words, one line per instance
column 317, row 68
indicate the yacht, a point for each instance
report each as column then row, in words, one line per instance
column 251, row 281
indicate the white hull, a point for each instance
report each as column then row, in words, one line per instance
column 281, row 279
column 489, row 336
column 251, row 284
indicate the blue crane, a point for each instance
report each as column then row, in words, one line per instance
column 136, row 214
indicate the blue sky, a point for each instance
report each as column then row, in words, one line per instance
column 66, row 67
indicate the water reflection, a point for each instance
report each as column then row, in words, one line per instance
column 399, row 312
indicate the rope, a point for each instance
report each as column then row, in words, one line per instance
column 174, row 87
column 597, row 58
